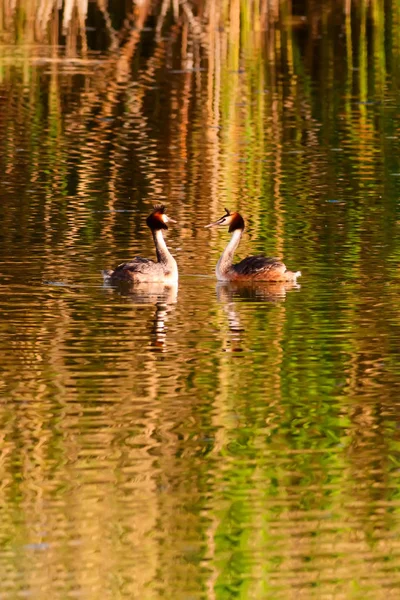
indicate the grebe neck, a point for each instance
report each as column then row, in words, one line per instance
column 164, row 256
column 224, row 264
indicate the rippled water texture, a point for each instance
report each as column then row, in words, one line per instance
column 212, row 441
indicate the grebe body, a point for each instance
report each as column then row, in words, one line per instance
column 140, row 270
column 252, row 268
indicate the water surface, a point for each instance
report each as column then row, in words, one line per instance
column 211, row 441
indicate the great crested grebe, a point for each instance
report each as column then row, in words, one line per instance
column 143, row 269
column 252, row 268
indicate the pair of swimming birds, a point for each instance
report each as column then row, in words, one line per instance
column 165, row 270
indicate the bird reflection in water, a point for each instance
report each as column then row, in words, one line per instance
column 160, row 329
column 161, row 296
column 228, row 292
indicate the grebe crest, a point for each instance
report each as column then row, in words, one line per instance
column 158, row 219
column 234, row 220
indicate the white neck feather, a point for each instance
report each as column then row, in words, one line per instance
column 164, row 256
column 225, row 262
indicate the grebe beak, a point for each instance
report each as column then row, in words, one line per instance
column 221, row 221
column 167, row 219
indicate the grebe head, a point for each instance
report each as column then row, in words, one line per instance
column 158, row 219
column 234, row 220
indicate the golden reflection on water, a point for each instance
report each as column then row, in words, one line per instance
column 108, row 453
column 215, row 441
